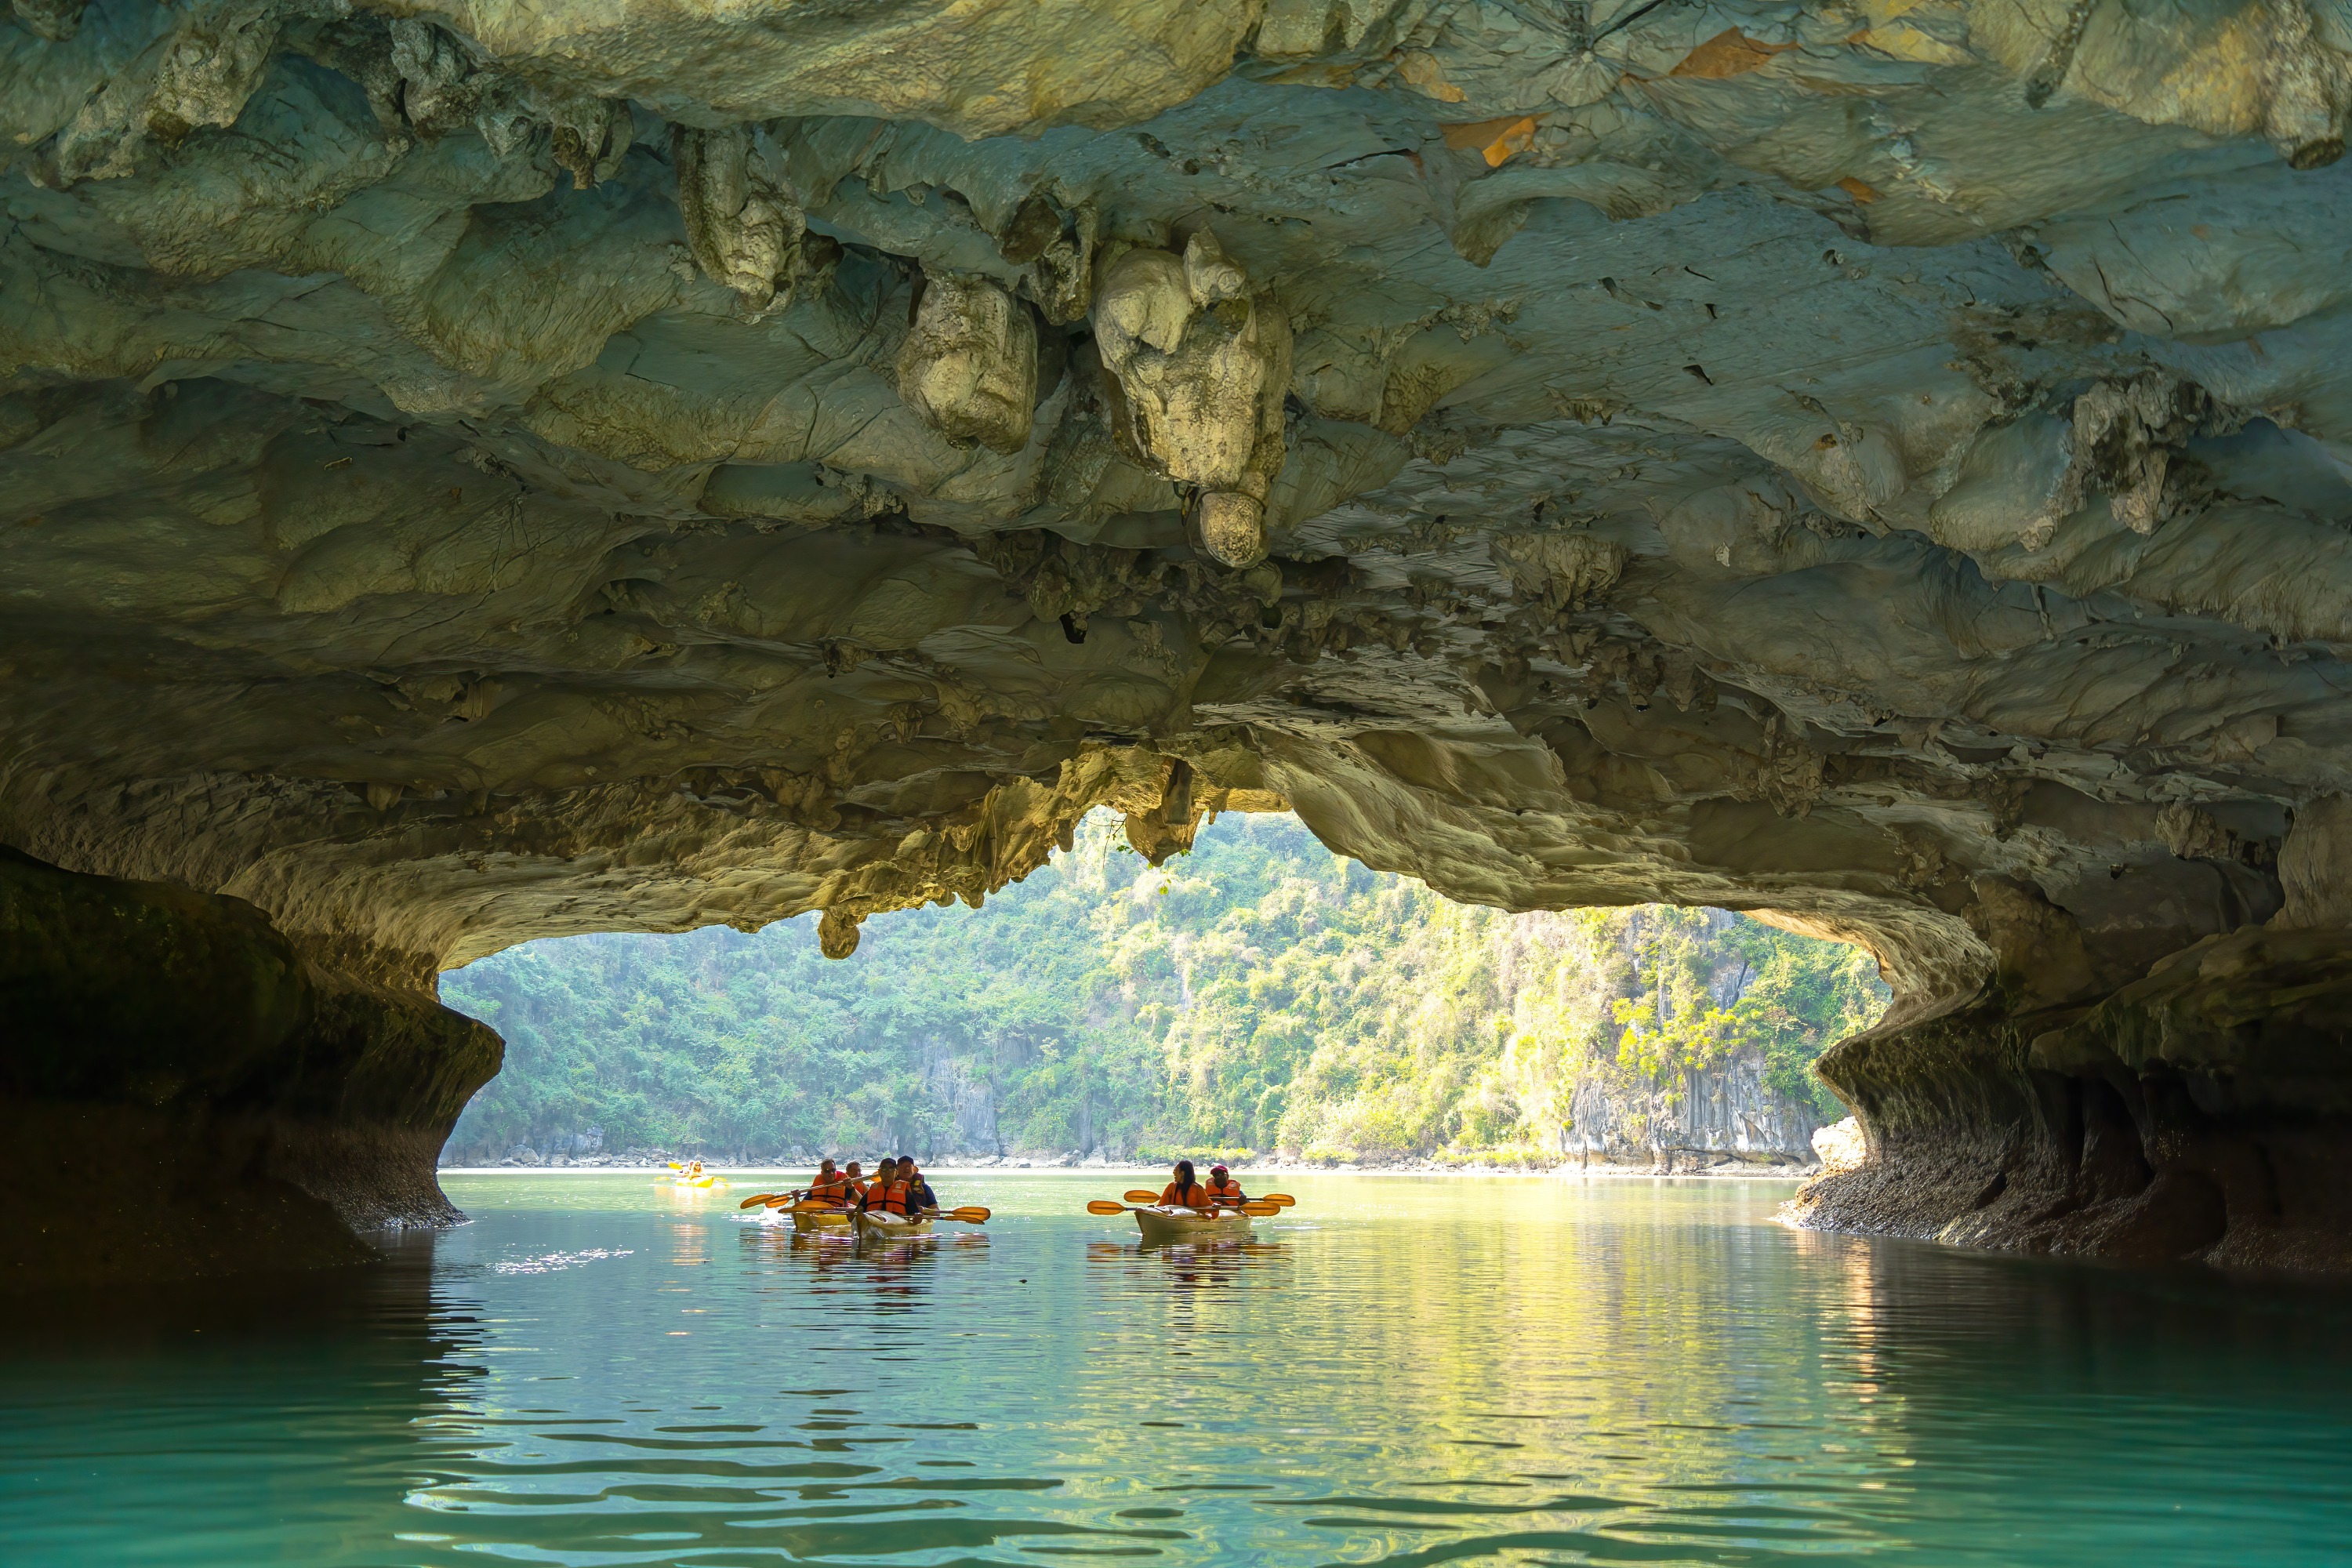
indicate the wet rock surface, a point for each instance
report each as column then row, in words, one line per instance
column 484, row 472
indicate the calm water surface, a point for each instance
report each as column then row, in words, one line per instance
column 1406, row 1371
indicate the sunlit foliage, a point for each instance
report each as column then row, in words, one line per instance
column 1257, row 995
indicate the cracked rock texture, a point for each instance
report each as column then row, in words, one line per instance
column 477, row 472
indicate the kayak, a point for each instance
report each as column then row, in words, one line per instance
column 890, row 1227
column 1160, row 1226
column 820, row 1219
column 696, row 1182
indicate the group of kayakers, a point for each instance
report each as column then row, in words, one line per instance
column 896, row 1187
column 1218, row 1191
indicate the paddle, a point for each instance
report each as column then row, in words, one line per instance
column 760, row 1198
column 1139, row 1195
column 1259, row 1209
column 970, row 1214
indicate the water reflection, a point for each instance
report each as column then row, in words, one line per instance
column 1421, row 1372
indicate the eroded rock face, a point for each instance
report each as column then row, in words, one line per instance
column 970, row 362
column 1197, row 372
column 488, row 472
column 220, row 1101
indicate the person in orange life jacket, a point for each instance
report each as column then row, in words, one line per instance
column 853, row 1185
column 876, row 1183
column 920, row 1199
column 1224, row 1191
column 1184, row 1193
column 889, row 1192
column 830, row 1186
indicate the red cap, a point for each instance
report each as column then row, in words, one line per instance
column 1216, row 1170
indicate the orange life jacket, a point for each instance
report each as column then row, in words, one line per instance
column 831, row 1189
column 891, row 1199
column 1198, row 1198
column 1228, row 1192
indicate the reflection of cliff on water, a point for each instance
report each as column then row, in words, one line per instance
column 260, row 1418
column 1960, row 1362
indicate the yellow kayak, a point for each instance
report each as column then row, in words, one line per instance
column 890, row 1227
column 821, row 1219
column 1161, row 1225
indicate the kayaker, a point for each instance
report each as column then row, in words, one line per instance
column 889, row 1192
column 1184, row 1193
column 920, row 1199
column 830, row 1186
column 884, row 1174
column 1224, row 1191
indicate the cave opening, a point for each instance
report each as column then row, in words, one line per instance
column 1253, row 997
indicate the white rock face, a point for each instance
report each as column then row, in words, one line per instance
column 1839, row 1147
column 970, row 362
column 1199, row 368
column 2315, row 866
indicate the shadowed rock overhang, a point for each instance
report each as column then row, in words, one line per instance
column 484, row 472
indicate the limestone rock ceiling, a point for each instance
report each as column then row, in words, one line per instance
column 479, row 472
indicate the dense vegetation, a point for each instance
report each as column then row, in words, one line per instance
column 1259, row 993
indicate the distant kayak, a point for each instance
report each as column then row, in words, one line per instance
column 1163, row 1225
column 704, row 1181
column 890, row 1227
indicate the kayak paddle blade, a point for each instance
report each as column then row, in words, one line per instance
column 1139, row 1196
column 1104, row 1206
column 970, row 1214
column 1260, row 1208
column 1280, row 1200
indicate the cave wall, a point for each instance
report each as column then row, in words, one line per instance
column 187, row 1094
column 475, row 471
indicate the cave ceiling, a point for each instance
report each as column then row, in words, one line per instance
column 479, row 472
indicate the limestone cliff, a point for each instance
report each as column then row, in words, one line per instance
column 473, row 471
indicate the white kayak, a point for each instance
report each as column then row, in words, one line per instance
column 891, row 1227
column 1160, row 1226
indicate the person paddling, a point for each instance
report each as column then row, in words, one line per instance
column 1184, row 1193
column 887, row 1196
column 920, row 1199
column 1225, row 1193
column 830, row 1186
column 853, row 1181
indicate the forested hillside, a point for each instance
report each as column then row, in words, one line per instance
column 1257, row 995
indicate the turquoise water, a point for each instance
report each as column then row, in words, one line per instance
column 1404, row 1370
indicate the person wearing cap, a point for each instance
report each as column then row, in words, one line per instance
column 920, row 1199
column 1224, row 1191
